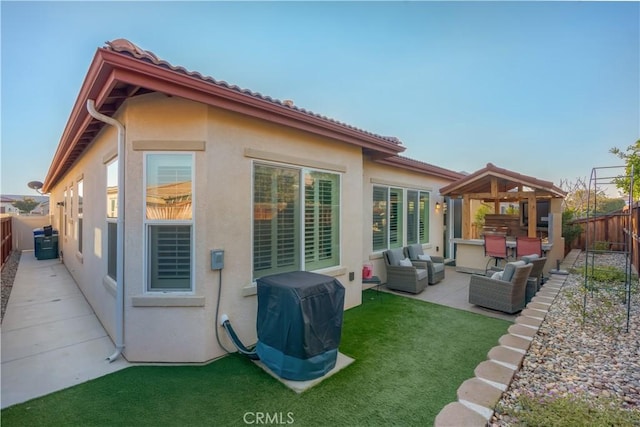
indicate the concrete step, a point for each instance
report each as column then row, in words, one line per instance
column 456, row 414
column 506, row 355
column 515, row 342
column 522, row 330
column 529, row 321
column 539, row 306
column 479, row 392
column 492, row 371
column 536, row 314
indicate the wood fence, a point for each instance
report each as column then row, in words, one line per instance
column 612, row 232
column 7, row 239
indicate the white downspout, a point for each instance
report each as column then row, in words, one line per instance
column 120, row 228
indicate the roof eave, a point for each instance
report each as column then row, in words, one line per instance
column 95, row 78
column 421, row 167
column 453, row 189
column 109, row 68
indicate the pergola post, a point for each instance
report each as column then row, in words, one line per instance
column 466, row 216
column 533, row 216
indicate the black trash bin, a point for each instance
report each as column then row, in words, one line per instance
column 45, row 243
column 299, row 323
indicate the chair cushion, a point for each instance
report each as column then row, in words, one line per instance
column 510, row 268
column 528, row 258
column 438, row 267
column 422, row 274
column 424, row 257
column 406, row 262
column 414, row 251
column 497, row 275
column 395, row 255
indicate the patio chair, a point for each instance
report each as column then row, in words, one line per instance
column 536, row 272
column 402, row 274
column 528, row 246
column 534, row 281
column 433, row 264
column 505, row 292
column 495, row 247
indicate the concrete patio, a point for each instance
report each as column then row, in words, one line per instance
column 51, row 338
column 452, row 292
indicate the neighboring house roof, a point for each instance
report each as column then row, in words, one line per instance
column 480, row 182
column 10, row 198
column 122, row 70
column 422, row 167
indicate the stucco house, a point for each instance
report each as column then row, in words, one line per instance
column 186, row 164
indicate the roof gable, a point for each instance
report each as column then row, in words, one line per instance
column 480, row 182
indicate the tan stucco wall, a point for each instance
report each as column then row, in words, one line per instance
column 89, row 269
column 376, row 173
column 555, row 236
column 180, row 328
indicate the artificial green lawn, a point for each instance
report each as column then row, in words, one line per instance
column 411, row 356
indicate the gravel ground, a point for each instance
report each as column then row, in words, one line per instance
column 596, row 360
column 8, row 274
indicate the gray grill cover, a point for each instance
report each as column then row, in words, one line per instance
column 300, row 313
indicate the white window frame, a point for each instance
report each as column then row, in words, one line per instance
column 404, row 215
column 147, row 223
column 80, row 214
column 65, row 212
column 111, row 219
column 302, row 170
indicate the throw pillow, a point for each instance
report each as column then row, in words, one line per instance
column 497, row 275
column 510, row 268
column 424, row 257
column 405, row 262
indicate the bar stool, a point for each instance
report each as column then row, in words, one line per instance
column 528, row 246
column 495, row 246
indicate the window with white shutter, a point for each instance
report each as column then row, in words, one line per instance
column 389, row 213
column 296, row 219
column 112, row 218
column 380, row 218
column 169, row 221
column 424, row 217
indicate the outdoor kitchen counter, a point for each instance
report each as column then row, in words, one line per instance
column 470, row 254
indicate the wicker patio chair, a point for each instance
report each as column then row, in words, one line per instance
column 497, row 294
column 409, row 278
column 536, row 271
column 434, row 265
column 534, row 281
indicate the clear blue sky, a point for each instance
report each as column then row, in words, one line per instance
column 541, row 88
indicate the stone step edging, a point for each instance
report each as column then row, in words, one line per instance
column 478, row 396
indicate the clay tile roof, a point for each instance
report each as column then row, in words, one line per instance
column 121, row 70
column 126, row 47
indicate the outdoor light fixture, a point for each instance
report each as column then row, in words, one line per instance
column 437, row 206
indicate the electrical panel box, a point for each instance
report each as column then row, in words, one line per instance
column 217, row 259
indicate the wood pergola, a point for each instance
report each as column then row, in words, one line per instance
column 497, row 185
